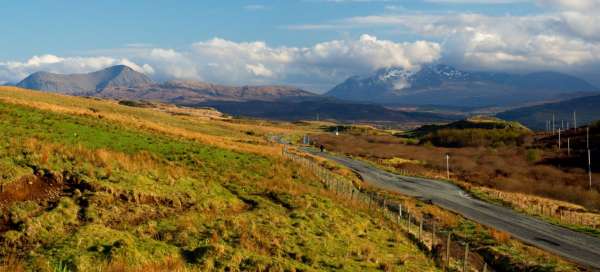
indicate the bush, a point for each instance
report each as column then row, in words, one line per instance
column 533, row 155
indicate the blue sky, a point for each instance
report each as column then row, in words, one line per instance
column 74, row 27
column 309, row 43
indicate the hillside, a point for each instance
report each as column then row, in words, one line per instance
column 191, row 92
column 473, row 131
column 86, row 84
column 325, row 109
column 92, row 185
column 535, row 117
column 447, row 86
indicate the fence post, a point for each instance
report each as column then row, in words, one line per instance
column 399, row 213
column 448, row 245
column 408, row 222
column 484, row 267
column 432, row 233
column 420, row 228
column 466, row 260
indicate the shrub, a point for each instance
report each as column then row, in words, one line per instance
column 533, row 155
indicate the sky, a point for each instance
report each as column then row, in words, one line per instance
column 312, row 44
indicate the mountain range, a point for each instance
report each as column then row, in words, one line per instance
column 122, row 82
column 447, row 86
column 274, row 102
column 586, row 109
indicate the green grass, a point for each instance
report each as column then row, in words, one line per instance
column 156, row 202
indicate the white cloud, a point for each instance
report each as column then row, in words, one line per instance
column 222, row 61
column 564, row 37
column 487, row 2
column 255, row 7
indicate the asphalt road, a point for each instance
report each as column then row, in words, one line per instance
column 578, row 247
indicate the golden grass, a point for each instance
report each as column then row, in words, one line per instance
column 560, row 210
column 157, row 119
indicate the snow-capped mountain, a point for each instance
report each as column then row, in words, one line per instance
column 445, row 85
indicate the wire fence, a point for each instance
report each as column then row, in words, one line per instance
column 448, row 251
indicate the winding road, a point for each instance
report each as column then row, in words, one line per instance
column 578, row 247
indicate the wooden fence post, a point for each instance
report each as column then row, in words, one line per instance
column 399, row 213
column 432, row 233
column 448, row 245
column 466, row 260
column 420, row 228
column 408, row 222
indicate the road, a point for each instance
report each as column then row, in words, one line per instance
column 578, row 247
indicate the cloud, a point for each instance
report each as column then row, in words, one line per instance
column 223, row 61
column 486, row 2
column 564, row 37
column 255, row 7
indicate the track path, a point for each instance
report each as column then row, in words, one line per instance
column 578, row 247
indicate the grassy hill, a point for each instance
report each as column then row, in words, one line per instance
column 474, row 131
column 92, row 185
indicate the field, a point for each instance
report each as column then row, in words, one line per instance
column 92, row 185
column 524, row 169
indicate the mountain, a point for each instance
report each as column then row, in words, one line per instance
column 191, row 92
column 447, row 86
column 324, row 109
column 535, row 117
column 274, row 102
column 86, row 84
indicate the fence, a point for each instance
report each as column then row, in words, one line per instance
column 450, row 253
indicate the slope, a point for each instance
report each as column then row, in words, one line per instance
column 535, row 117
column 109, row 187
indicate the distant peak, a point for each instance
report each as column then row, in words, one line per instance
column 120, row 68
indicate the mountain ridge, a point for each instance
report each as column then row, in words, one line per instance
column 535, row 117
column 88, row 83
column 445, row 85
column 269, row 101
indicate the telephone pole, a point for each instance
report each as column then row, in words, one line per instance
column 559, row 140
column 448, row 166
column 589, row 157
column 590, row 167
column 553, row 124
column 575, row 120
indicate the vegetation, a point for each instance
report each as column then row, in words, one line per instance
column 91, row 185
column 496, row 248
column 527, row 169
column 475, row 131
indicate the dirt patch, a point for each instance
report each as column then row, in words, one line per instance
column 46, row 186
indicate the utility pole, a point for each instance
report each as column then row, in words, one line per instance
column 590, row 167
column 588, row 137
column 553, row 125
column 589, row 157
column 559, row 140
column 448, row 166
column 569, row 147
column 575, row 120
